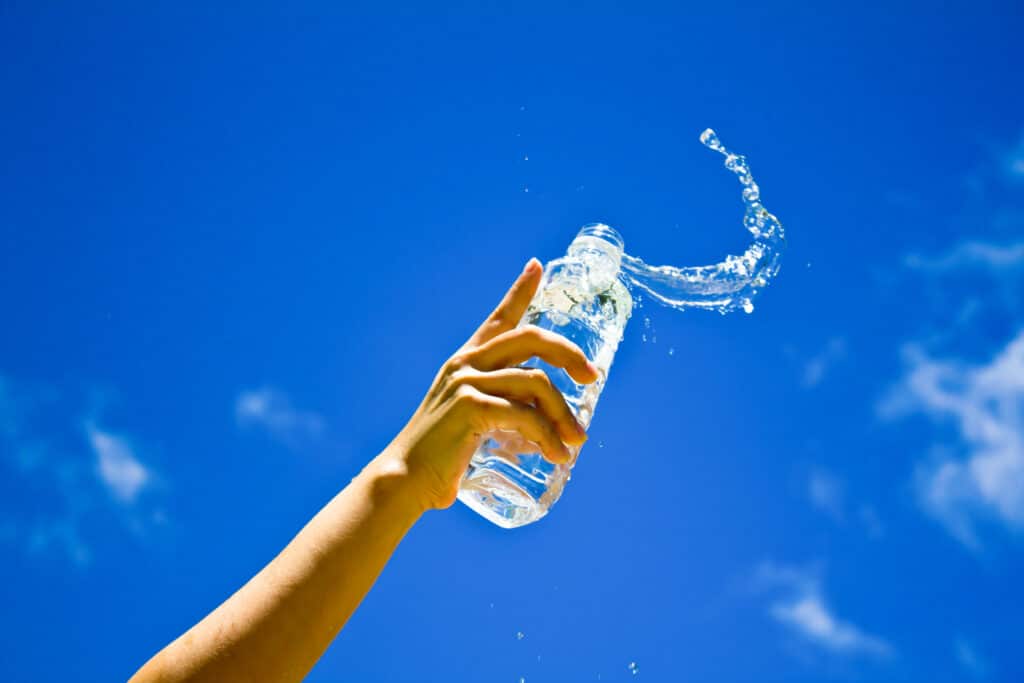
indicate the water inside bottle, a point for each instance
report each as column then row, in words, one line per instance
column 585, row 297
column 581, row 298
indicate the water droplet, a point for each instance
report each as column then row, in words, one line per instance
column 600, row 444
column 647, row 322
column 526, row 157
column 737, row 164
column 808, row 264
column 538, row 658
column 492, row 605
column 526, row 189
column 748, row 306
column 522, row 679
column 643, row 338
column 709, row 139
column 633, row 668
column 671, row 351
column 520, row 635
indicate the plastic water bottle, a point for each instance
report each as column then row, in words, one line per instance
column 583, row 298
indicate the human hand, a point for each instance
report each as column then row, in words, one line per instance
column 480, row 389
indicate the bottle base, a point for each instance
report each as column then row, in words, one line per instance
column 499, row 501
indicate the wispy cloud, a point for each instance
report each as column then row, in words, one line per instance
column 826, row 493
column 801, row 608
column 965, row 376
column 970, row 659
column 117, row 465
column 65, row 469
column 818, row 365
column 979, row 472
column 970, row 254
column 272, row 410
column 1013, row 161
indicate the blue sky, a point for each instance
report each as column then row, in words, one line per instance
column 237, row 243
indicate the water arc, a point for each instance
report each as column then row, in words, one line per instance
column 733, row 283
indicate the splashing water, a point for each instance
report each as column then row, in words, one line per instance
column 588, row 297
column 732, row 284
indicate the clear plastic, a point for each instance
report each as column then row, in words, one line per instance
column 583, row 298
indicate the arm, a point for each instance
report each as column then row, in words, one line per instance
column 278, row 624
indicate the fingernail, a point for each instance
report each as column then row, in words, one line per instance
column 531, row 266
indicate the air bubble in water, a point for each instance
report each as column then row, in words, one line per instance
column 671, row 351
column 748, row 306
column 520, row 635
column 633, row 668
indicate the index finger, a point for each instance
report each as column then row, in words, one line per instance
column 506, row 316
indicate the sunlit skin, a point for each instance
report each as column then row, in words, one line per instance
column 276, row 626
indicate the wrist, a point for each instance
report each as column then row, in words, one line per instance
column 393, row 483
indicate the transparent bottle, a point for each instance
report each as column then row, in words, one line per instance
column 581, row 297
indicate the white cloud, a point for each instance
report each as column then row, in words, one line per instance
column 969, row 658
column 971, row 254
column 117, row 466
column 66, row 471
column 826, row 493
column 811, row 617
column 979, row 473
column 803, row 611
column 272, row 410
column 818, row 365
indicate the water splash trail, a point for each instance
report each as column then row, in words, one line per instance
column 733, row 283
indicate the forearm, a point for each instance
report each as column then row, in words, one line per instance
column 278, row 624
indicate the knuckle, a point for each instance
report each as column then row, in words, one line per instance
column 532, row 333
column 465, row 396
column 459, row 360
column 460, row 377
column 537, row 376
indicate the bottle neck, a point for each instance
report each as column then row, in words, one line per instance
column 598, row 243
